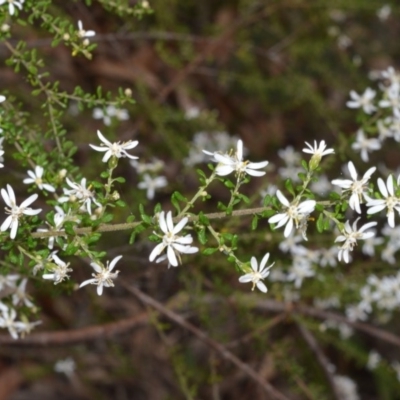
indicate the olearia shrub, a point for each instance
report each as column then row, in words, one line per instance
column 310, row 234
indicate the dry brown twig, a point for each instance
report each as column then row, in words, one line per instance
column 321, row 357
column 221, row 350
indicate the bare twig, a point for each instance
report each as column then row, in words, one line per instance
column 322, row 359
column 276, row 306
column 221, row 350
column 70, row 337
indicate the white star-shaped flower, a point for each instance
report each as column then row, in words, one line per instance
column 227, row 163
column 114, row 149
column 364, row 101
column 357, row 188
column 7, row 320
column 293, row 215
column 258, row 274
column 104, row 276
column 151, row 184
column 365, row 145
column 59, row 270
column 174, row 243
column 318, row 150
column 80, row 193
column 390, row 201
column 350, row 235
column 15, row 212
column 36, row 178
column 12, row 4
column 82, row 33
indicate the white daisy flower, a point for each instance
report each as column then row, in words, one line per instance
column 80, row 193
column 227, row 163
column 36, row 178
column 82, row 33
column 350, row 235
column 318, row 150
column 59, row 270
column 104, row 276
column 365, row 145
column 363, row 101
column 390, row 201
column 15, row 212
column 258, row 274
column 151, row 184
column 357, row 188
column 174, row 243
column 12, row 4
column 114, row 149
column 293, row 215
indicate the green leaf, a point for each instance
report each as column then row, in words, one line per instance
column 304, row 165
column 334, row 196
column 229, row 184
column 320, row 223
column 209, row 251
column 289, row 187
column 254, row 222
column 202, row 236
column 203, row 219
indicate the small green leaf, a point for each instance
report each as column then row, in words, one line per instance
column 254, row 222
column 320, row 223
column 202, row 236
column 209, row 251
column 289, row 187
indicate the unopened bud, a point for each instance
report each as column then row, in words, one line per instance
column 314, row 162
column 66, row 36
column 98, row 210
column 128, row 92
column 115, row 196
column 62, row 174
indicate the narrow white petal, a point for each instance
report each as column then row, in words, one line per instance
column 261, row 286
column 239, row 151
column 282, row 198
column 114, row 262
column 84, row 283
column 288, row 228
column 382, row 187
column 352, row 170
column 254, row 173
column 179, row 226
column 29, row 200
column 246, row 278
column 264, row 261
column 162, row 222
column 170, row 222
column 254, row 264
column 14, row 228
column 6, row 224
column 103, row 139
column 171, row 256
column 156, row 251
